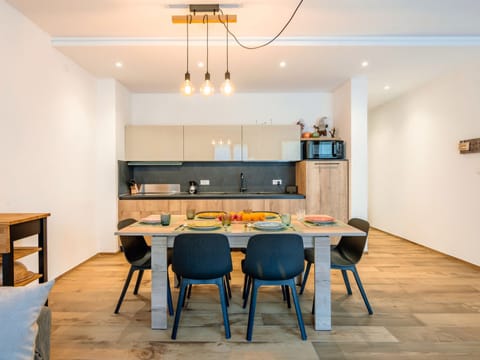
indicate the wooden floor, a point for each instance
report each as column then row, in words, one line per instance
column 426, row 306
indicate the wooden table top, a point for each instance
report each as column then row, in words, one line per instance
column 17, row 218
column 239, row 229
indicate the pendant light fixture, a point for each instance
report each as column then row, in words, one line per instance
column 207, row 86
column 227, row 86
column 187, row 86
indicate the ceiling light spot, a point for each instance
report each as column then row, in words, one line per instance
column 364, row 63
column 386, row 87
column 283, row 64
column 119, row 64
column 200, row 64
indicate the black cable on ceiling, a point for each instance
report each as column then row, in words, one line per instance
column 269, row 41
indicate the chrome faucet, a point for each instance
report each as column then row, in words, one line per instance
column 243, row 183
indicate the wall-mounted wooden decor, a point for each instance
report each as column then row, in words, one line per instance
column 469, row 146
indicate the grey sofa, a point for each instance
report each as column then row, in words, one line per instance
column 42, row 342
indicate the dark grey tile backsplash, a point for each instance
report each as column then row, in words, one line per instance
column 223, row 176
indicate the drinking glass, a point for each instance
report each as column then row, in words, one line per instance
column 165, row 219
column 300, row 214
column 286, row 219
column 190, row 214
column 226, row 220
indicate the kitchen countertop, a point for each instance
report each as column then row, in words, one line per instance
column 212, row 195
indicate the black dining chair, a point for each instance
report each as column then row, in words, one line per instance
column 201, row 259
column 273, row 259
column 344, row 256
column 138, row 254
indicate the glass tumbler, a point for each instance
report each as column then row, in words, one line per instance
column 300, row 214
column 190, row 214
column 286, row 219
column 165, row 219
column 226, row 220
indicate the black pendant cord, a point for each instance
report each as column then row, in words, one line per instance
column 189, row 18
column 266, row 43
column 227, row 44
column 206, row 17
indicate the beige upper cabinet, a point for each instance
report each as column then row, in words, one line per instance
column 153, row 143
column 213, row 143
column 271, row 142
column 325, row 186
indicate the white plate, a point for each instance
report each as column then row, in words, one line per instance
column 268, row 225
column 152, row 219
column 213, row 227
column 204, row 225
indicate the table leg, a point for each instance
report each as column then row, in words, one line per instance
column 159, row 282
column 323, row 310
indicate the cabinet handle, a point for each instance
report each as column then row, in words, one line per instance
column 329, row 164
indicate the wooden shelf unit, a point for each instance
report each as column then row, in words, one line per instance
column 16, row 226
column 34, row 277
column 22, row 251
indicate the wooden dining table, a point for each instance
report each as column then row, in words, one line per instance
column 238, row 234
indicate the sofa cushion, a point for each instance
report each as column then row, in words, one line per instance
column 19, row 310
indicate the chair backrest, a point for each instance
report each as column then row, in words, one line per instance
column 201, row 256
column 135, row 249
column 352, row 247
column 125, row 222
column 274, row 256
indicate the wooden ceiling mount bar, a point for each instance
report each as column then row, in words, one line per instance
column 198, row 19
column 213, row 8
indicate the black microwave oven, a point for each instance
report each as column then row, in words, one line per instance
column 323, row 149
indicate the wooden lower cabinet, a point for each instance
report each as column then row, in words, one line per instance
column 325, row 186
column 141, row 208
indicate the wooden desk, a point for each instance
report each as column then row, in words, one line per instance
column 16, row 226
column 317, row 237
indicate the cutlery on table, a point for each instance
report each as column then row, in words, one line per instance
column 180, row 227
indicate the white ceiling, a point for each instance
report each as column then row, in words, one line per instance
column 406, row 42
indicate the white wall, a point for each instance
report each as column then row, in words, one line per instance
column 350, row 113
column 280, row 108
column 420, row 187
column 47, row 139
column 112, row 114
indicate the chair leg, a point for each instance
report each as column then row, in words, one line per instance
column 248, row 286
column 251, row 312
column 362, row 291
column 225, row 285
column 244, row 290
column 177, row 281
column 169, row 298
column 286, row 294
column 223, row 302
column 180, row 302
column 298, row 310
column 305, row 277
column 139, row 280
column 347, row 282
column 227, row 282
column 124, row 290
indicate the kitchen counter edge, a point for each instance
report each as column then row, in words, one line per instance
column 203, row 196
